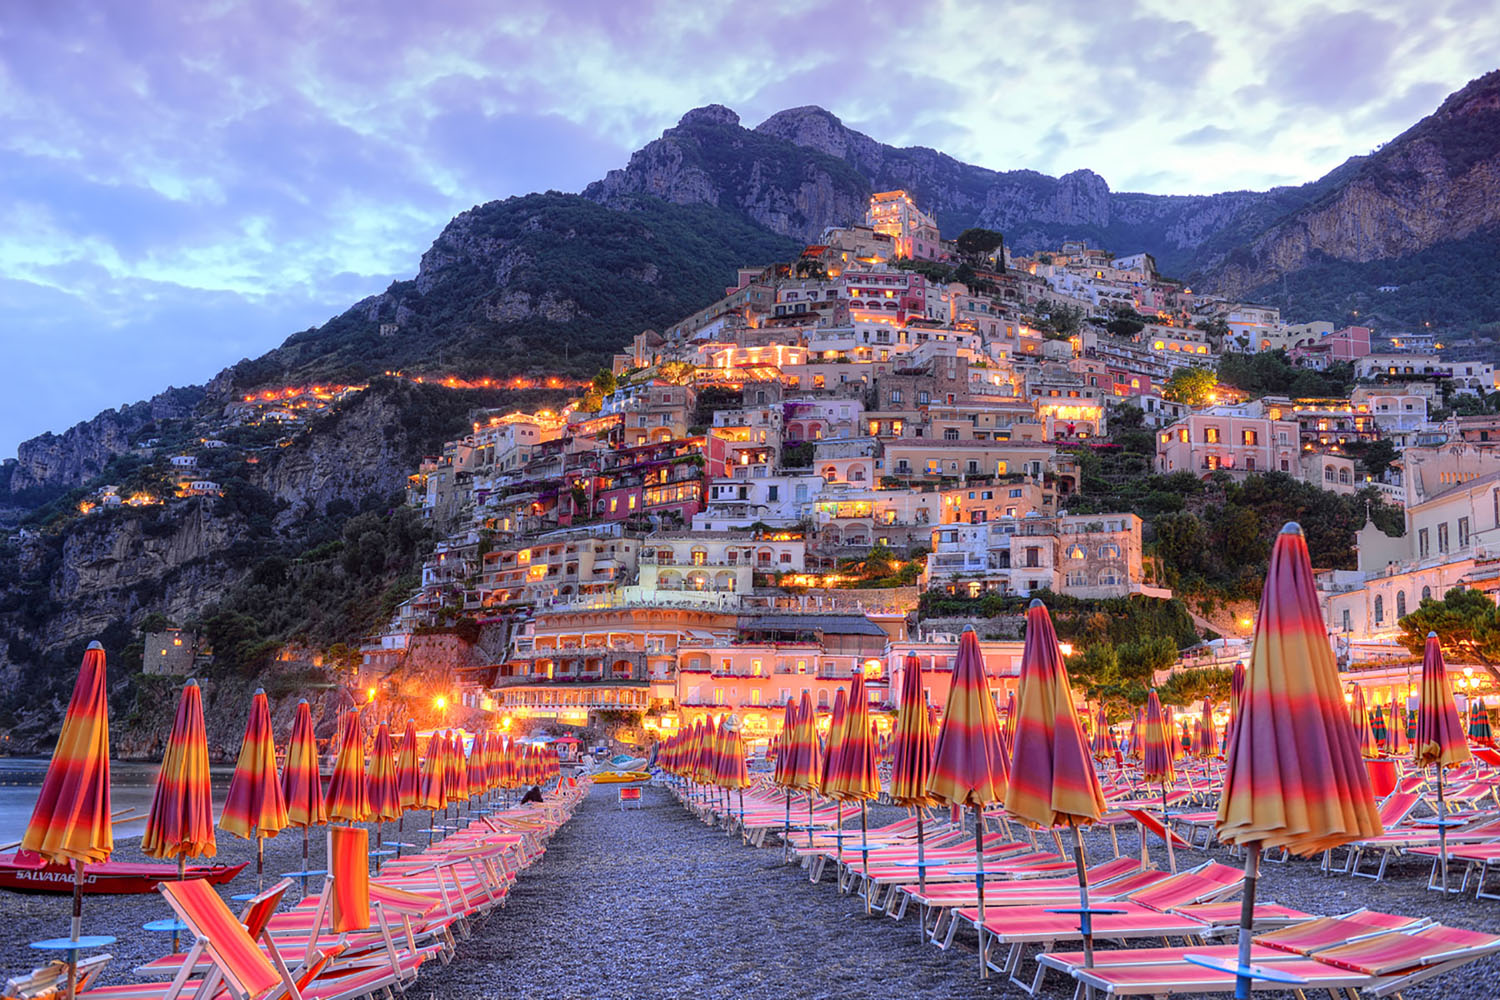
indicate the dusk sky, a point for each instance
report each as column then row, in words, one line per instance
column 185, row 184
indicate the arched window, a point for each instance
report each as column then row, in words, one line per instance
column 1426, row 593
column 1344, row 475
column 1379, row 609
column 1400, row 604
column 1075, row 551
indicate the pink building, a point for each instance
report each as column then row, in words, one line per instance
column 1219, row 438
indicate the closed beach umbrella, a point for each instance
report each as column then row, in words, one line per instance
column 1440, row 739
column 409, row 770
column 255, row 808
column 1010, row 715
column 1360, row 716
column 858, row 778
column 1294, row 777
column 1157, row 765
column 1236, row 692
column 434, row 780
column 385, row 801
column 833, row 747
column 1377, row 725
column 966, row 765
column 783, row 741
column 180, row 824
column 1207, row 739
column 458, row 769
column 1052, row 778
column 912, row 742
column 348, row 788
column 479, row 775
column 1479, row 722
column 71, row 821
column 1101, row 745
column 301, row 783
column 734, row 774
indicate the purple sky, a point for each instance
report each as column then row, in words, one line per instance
column 185, row 184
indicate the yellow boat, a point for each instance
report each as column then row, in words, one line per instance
column 620, row 777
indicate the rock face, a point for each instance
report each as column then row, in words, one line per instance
column 1437, row 182
column 62, row 461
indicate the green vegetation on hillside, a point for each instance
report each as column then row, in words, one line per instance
column 602, row 274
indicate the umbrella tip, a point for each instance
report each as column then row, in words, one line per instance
column 968, row 628
column 96, row 644
column 259, row 691
column 1432, row 635
column 1036, row 602
column 1291, row 528
column 192, row 682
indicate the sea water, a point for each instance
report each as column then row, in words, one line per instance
column 131, row 784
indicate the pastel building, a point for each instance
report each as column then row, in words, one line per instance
column 1229, row 439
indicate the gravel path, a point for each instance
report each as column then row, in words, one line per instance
column 651, row 903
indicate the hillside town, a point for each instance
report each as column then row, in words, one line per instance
column 752, row 503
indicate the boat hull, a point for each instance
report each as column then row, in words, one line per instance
column 107, row 878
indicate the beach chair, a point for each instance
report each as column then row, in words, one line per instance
column 1321, row 933
column 1149, row 822
column 52, row 979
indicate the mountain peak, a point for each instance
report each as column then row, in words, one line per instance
column 809, row 126
column 709, row 114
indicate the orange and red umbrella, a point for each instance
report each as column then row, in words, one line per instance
column 966, row 765
column 1157, row 765
column 858, row 778
column 435, row 782
column 71, row 823
column 348, row 788
column 1294, row 777
column 385, row 800
column 255, row 809
column 913, row 742
column 300, row 782
column 181, row 821
column 1207, row 739
column 1440, row 739
column 1360, row 716
column 834, row 744
column 409, row 770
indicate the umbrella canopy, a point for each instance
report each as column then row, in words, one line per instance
column 966, row 765
column 181, row 821
column 913, row 740
column 1398, row 739
column 733, row 772
column 1052, row 779
column 802, row 770
column 1440, row 736
column 348, row 788
column 408, row 770
column 1294, row 777
column 1236, row 692
column 458, row 769
column 71, row 820
column 1101, row 744
column 1010, row 716
column 300, row 781
column 255, row 806
column 385, row 801
column 783, row 742
column 479, row 774
column 1207, row 739
column 857, row 779
column 1377, row 724
column 835, row 745
column 1359, row 714
column 1157, row 766
column 1479, row 722
column 434, row 779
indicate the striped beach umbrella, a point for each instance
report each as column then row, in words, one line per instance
column 912, row 741
column 180, row 824
column 1399, row 741
column 1377, row 725
column 858, row 777
column 254, row 808
column 1359, row 714
column 71, row 821
column 409, row 770
column 479, row 764
column 385, row 800
column 802, row 770
column 1010, row 716
column 434, row 778
column 1208, row 739
column 1440, row 740
column 348, row 787
column 1052, row 777
column 1479, row 722
column 458, row 768
column 301, row 784
column 833, row 746
column 1157, row 764
column 782, row 745
column 966, row 765
column 1236, row 691
column 1100, row 744
column 1293, row 777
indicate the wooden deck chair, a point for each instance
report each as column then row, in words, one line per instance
column 51, row 979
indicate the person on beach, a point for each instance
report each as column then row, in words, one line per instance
column 533, row 794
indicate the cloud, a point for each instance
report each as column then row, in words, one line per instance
column 184, row 184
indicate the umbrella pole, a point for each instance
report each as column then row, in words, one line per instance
column 811, row 868
column 304, row 860
column 1086, row 919
column 984, row 967
column 400, row 831
column 786, row 828
column 181, row 876
column 922, row 869
column 1166, row 830
column 1247, row 919
column 742, row 815
column 864, row 849
column 1442, row 828
column 77, row 928
column 260, row 862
